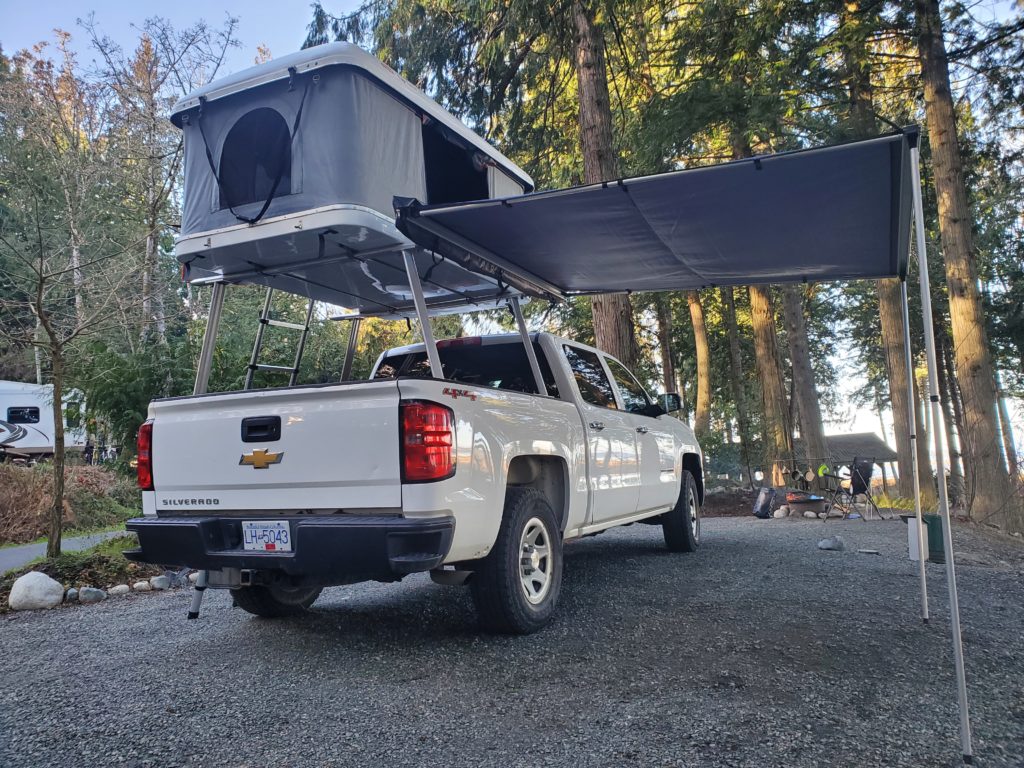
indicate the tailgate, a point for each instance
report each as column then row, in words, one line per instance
column 337, row 448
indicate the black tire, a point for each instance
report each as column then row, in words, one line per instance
column 681, row 525
column 275, row 602
column 499, row 585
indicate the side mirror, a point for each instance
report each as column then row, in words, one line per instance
column 671, row 402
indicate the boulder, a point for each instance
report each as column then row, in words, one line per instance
column 91, row 595
column 780, row 512
column 193, row 577
column 142, row 586
column 120, row 589
column 160, row 582
column 71, row 596
column 810, row 515
column 35, row 590
column 832, row 544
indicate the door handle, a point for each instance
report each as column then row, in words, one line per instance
column 642, row 430
column 597, row 426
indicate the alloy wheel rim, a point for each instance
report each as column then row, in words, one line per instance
column 694, row 516
column 535, row 561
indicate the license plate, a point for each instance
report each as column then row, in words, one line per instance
column 266, row 536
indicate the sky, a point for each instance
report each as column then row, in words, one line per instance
column 281, row 26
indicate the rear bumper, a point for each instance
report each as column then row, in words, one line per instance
column 330, row 549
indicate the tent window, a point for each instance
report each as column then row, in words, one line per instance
column 452, row 176
column 257, row 149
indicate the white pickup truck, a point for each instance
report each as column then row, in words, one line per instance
column 473, row 476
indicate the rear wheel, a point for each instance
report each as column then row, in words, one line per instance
column 275, row 602
column 516, row 587
column 681, row 525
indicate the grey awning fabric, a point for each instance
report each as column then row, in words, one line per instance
column 833, row 213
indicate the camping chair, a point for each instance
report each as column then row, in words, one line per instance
column 860, row 485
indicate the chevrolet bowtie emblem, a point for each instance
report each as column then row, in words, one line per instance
column 260, row 459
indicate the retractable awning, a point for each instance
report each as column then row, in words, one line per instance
column 835, row 213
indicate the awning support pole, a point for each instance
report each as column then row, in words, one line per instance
column 202, row 382
column 912, row 415
column 531, row 355
column 940, row 459
column 421, row 314
column 209, row 339
column 350, row 350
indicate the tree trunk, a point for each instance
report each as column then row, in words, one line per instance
column 1006, row 428
column 812, row 431
column 736, row 379
column 613, row 316
column 956, row 471
column 702, row 413
column 996, row 500
column 668, row 366
column 893, row 344
column 57, row 510
column 778, row 436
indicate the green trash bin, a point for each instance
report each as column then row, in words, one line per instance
column 936, row 546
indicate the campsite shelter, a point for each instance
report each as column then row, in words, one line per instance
column 290, row 168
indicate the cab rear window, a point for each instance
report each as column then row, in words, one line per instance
column 501, row 366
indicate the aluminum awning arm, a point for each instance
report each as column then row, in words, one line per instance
column 437, row 238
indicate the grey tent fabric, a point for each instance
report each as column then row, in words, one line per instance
column 355, row 145
column 834, row 213
column 290, row 170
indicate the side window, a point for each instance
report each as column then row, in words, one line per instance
column 23, row 415
column 633, row 395
column 590, row 377
column 257, row 150
column 73, row 414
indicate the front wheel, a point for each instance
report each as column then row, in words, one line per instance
column 681, row 525
column 275, row 602
column 516, row 587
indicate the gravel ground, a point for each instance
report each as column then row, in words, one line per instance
column 760, row 650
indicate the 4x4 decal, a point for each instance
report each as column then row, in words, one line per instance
column 455, row 394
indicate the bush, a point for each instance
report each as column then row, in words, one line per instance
column 94, row 497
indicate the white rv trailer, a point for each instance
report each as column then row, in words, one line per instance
column 26, row 420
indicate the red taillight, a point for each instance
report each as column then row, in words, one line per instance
column 428, row 441
column 144, row 471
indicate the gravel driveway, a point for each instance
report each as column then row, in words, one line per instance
column 757, row 651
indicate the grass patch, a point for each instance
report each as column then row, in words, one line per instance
column 100, row 566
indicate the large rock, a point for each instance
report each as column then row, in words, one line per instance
column 142, row 586
column 160, row 582
column 91, row 595
column 810, row 515
column 71, row 596
column 35, row 590
column 832, row 544
column 120, row 589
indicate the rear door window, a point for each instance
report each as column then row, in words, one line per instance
column 501, row 366
column 590, row 377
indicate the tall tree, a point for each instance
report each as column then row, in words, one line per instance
column 613, row 315
column 702, row 413
column 812, row 431
column 996, row 499
column 858, row 25
column 778, row 434
column 736, row 377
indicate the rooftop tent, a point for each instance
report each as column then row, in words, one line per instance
column 835, row 213
column 291, row 167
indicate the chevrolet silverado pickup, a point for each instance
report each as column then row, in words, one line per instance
column 473, row 476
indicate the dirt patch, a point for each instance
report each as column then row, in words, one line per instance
column 728, row 502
